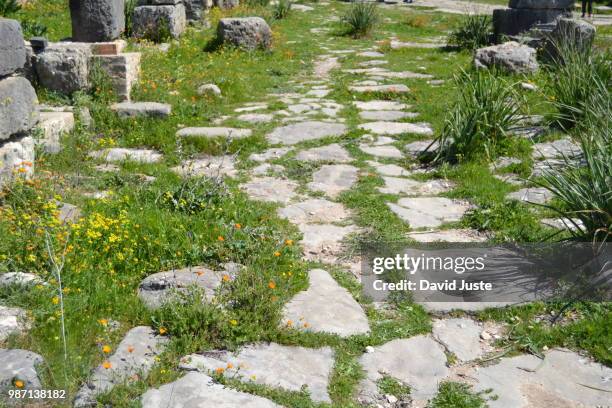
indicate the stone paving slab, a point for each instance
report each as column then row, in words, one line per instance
column 405, row 186
column 17, row 364
column 274, row 365
column 536, row 195
column 256, row 118
column 429, row 212
column 418, row 362
column 142, row 109
column 134, row 356
column 119, row 154
column 563, row 379
column 271, row 189
column 380, row 106
column 211, row 166
column 451, row 235
column 197, row 390
column 13, row 320
column 395, row 128
column 270, row 154
column 212, row 132
column 304, row 131
column 395, row 88
column 330, row 153
column 558, row 149
column 325, row 307
column 265, row 168
column 323, row 239
column 314, row 210
column 392, row 170
column 387, row 115
column 387, row 151
column 418, row 147
column 461, row 337
column 333, row 179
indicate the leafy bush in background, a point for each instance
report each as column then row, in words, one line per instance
column 33, row 28
column 8, row 7
column 473, row 32
column 361, row 17
column 479, row 121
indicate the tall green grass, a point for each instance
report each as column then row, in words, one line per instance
column 9, row 7
column 479, row 121
column 361, row 18
column 473, row 32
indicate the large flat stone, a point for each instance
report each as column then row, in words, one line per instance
column 271, row 189
column 386, row 115
column 197, row 390
column 212, row 132
column 270, row 154
column 536, row 195
column 331, row 153
column 392, row 170
column 387, row 151
column 304, row 131
column 135, row 355
column 211, row 166
column 418, row 362
column 314, row 210
column 325, row 307
column 405, row 186
column 395, row 128
column 13, row 320
column 165, row 287
column 17, row 107
column 562, row 379
column 334, row 179
column 12, row 47
column 460, row 336
column 451, row 235
column 395, row 89
column 119, row 154
column 380, row 106
column 428, row 212
column 323, row 240
column 16, row 364
column 323, row 66
column 142, row 109
column 558, row 149
column 273, row 365
column 418, row 147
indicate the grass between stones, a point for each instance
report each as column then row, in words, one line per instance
column 142, row 228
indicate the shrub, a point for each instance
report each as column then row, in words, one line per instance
column 32, row 28
column 193, row 195
column 473, row 32
column 572, row 80
column 8, row 7
column 362, row 17
column 282, row 9
column 130, row 5
column 479, row 121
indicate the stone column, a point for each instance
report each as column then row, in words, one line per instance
column 18, row 102
column 97, row 20
column 523, row 15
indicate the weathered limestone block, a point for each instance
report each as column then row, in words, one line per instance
column 17, row 107
column 195, row 8
column 16, row 158
column 247, row 33
column 53, row 126
column 226, row 4
column 16, row 364
column 12, row 49
column 97, row 20
column 64, row 67
column 154, row 22
column 511, row 56
column 574, row 32
column 123, row 69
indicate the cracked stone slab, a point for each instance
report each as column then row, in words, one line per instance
column 314, row 210
column 323, row 66
column 333, row 179
column 164, row 287
column 287, row 367
column 380, row 106
column 536, row 195
column 252, row 107
column 266, row 168
column 325, row 307
column 134, row 356
column 271, row 189
column 256, row 117
column 304, row 131
column 429, row 212
column 142, row 109
column 386, row 115
column 18, row 364
column 13, row 320
column 197, row 390
column 450, row 235
column 330, row 153
column 558, row 149
column 211, row 166
column 392, row 170
column 418, row 147
column 395, row 88
column 563, row 379
column 270, row 154
column 405, row 186
column 397, row 128
column 461, row 337
column 119, row 154
column 418, row 362
column 212, row 132
column 387, row 151
column 323, row 239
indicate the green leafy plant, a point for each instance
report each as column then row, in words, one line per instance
column 32, row 28
column 479, row 122
column 193, row 195
column 9, row 7
column 361, row 17
column 456, row 395
column 473, row 32
column 130, row 5
column 282, row 9
column 258, row 3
